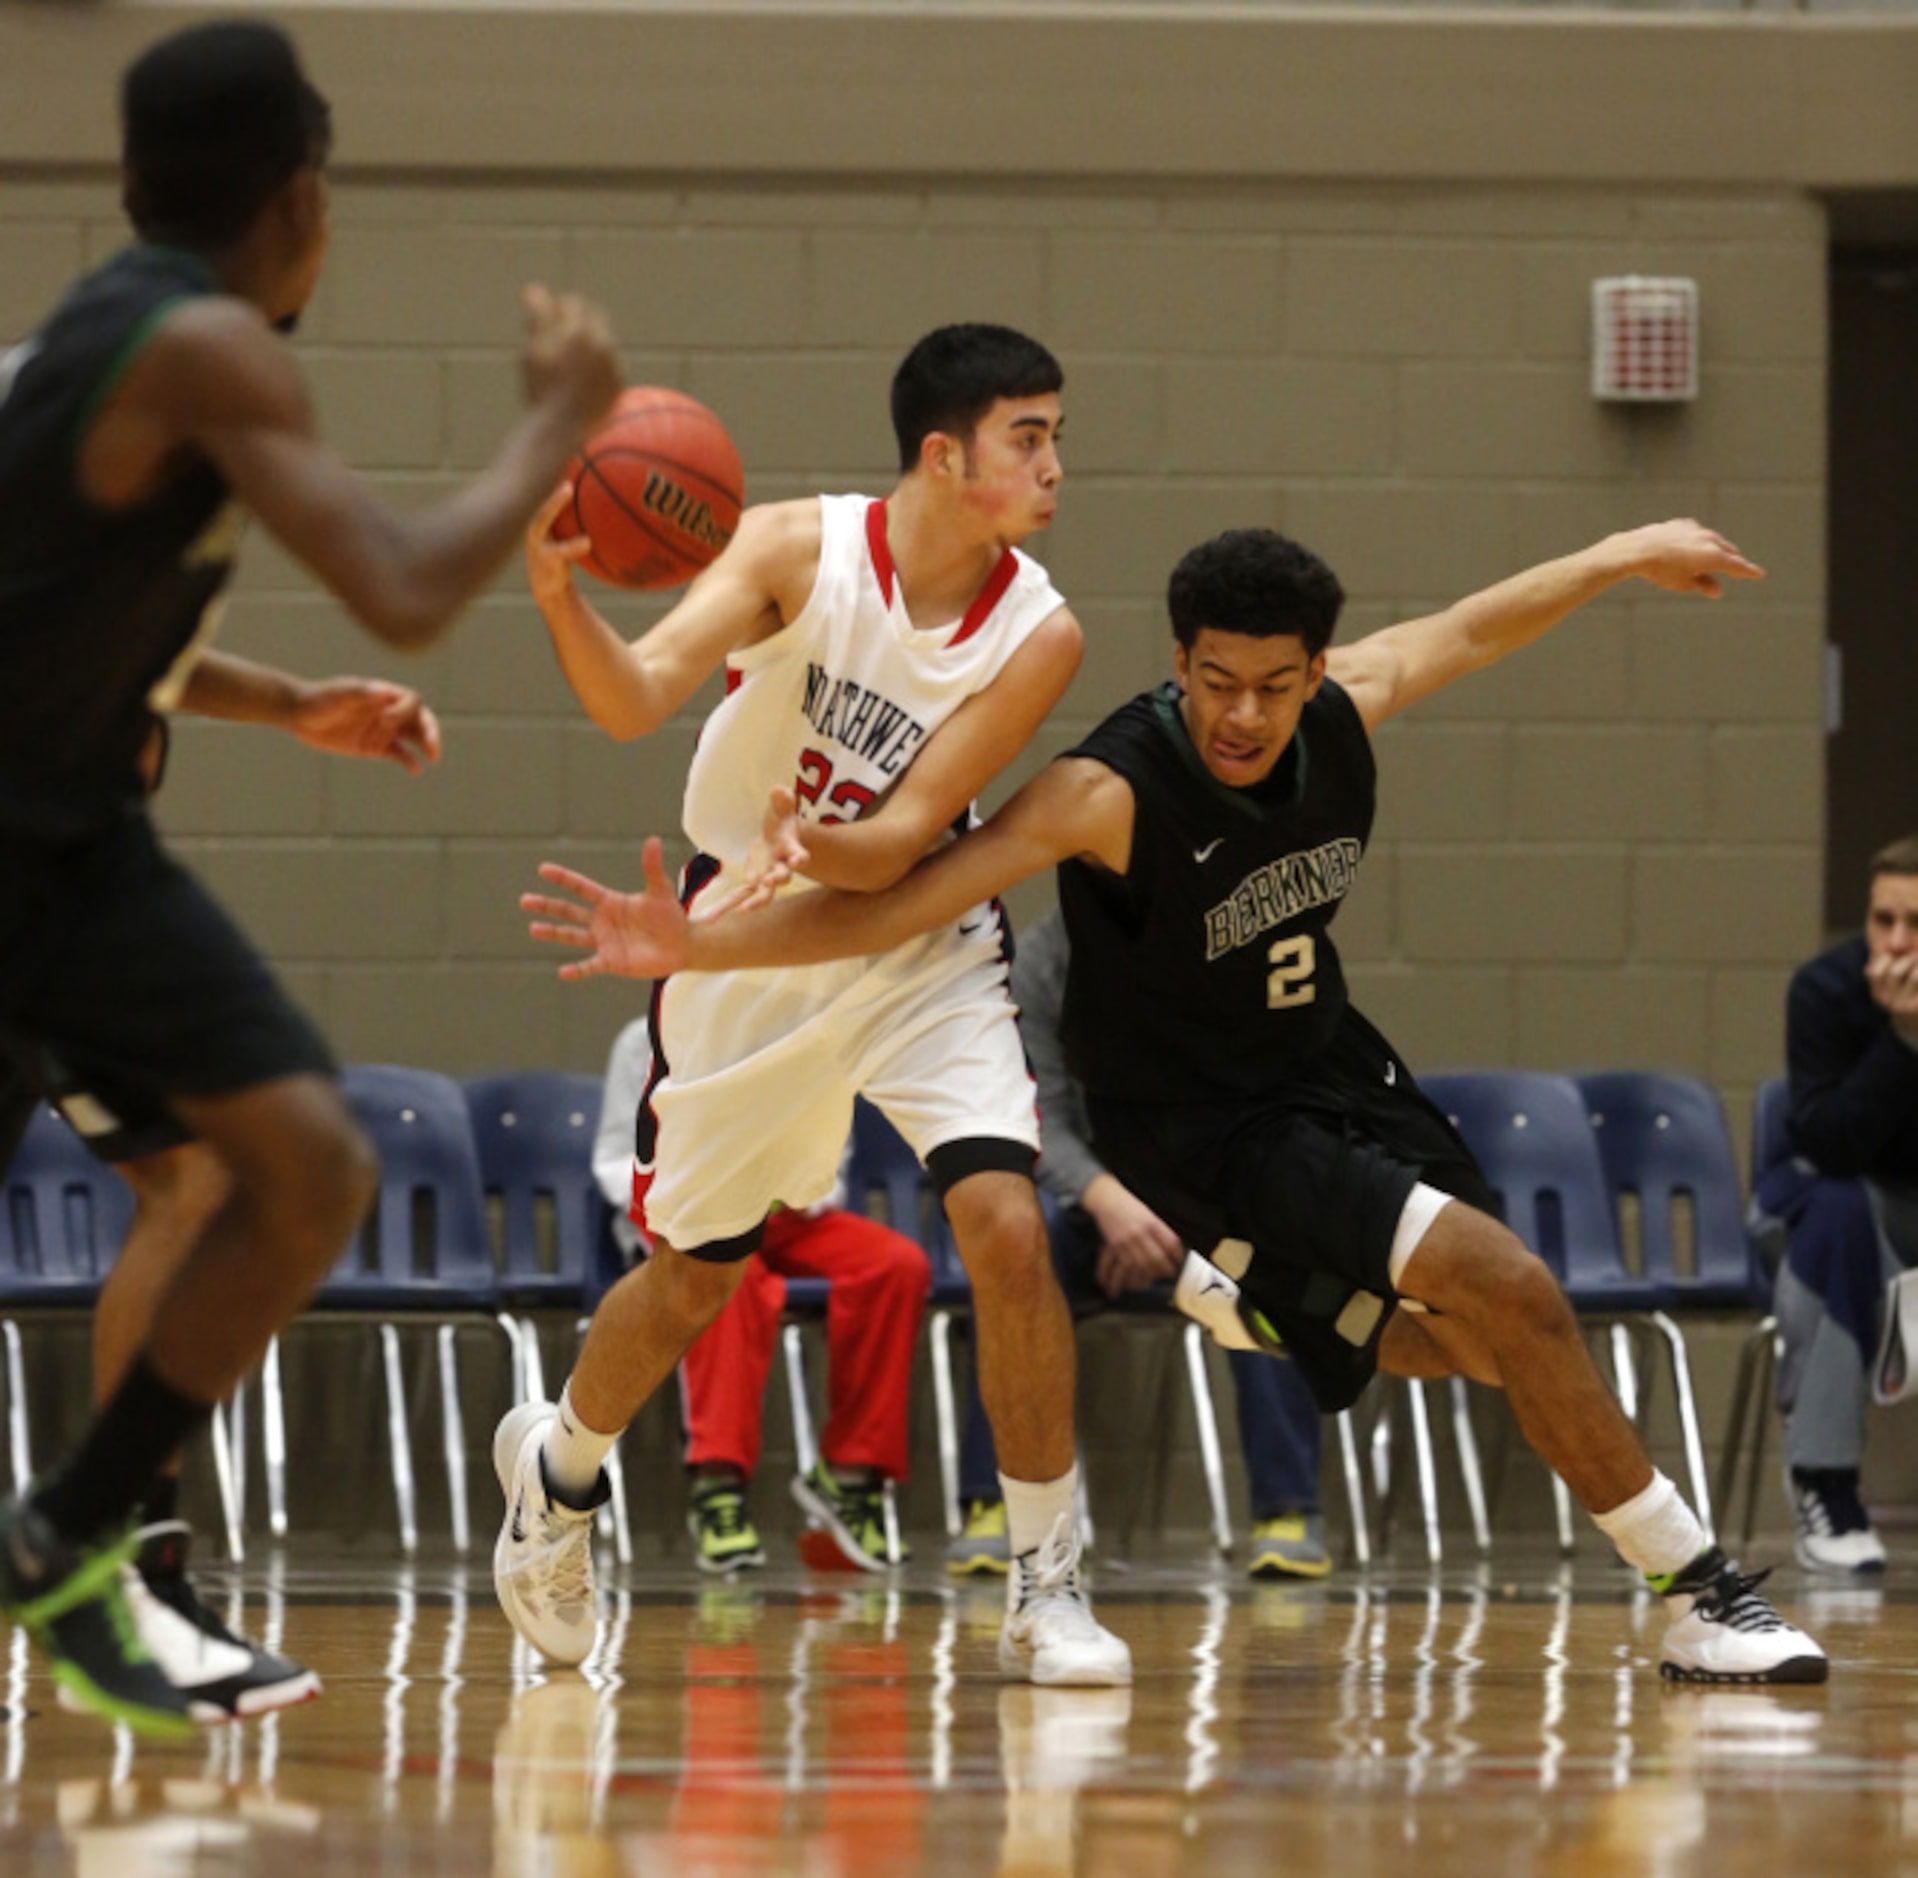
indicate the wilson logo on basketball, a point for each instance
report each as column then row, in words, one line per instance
column 691, row 517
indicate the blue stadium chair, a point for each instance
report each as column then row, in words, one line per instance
column 1529, row 1132
column 63, row 1219
column 533, row 1131
column 1674, row 1179
column 423, row 1255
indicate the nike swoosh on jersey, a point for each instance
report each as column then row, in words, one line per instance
column 1205, row 853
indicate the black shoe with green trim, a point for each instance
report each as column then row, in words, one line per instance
column 70, row 1599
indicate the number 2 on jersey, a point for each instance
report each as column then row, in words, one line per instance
column 814, row 783
column 1289, row 982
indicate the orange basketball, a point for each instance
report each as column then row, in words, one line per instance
column 656, row 490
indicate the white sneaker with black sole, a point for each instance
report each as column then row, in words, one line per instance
column 223, row 1676
column 1721, row 1630
column 1050, row 1636
column 543, row 1562
column 1834, row 1531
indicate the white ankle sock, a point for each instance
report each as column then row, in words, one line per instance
column 1654, row 1530
column 574, row 1452
column 1033, row 1508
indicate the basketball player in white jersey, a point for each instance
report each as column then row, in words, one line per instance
column 884, row 660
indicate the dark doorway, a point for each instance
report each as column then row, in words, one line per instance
column 1871, row 792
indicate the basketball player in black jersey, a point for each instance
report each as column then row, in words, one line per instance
column 155, row 405
column 1205, row 836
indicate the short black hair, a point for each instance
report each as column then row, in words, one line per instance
column 213, row 120
column 1257, row 582
column 1897, row 857
column 954, row 376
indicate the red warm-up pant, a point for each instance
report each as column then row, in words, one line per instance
column 878, row 1280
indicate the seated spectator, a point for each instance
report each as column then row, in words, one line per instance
column 878, row 1280
column 1105, row 1242
column 1849, row 1201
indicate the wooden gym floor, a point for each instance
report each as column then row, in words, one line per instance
column 1480, row 1722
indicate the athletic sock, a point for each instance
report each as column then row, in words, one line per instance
column 112, row 1473
column 574, row 1454
column 1033, row 1508
column 1655, row 1531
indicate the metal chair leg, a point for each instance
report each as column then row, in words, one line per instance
column 1354, row 1489
column 273, row 1439
column 1208, row 1423
column 946, row 1413
column 1624, row 1372
column 1753, row 1378
column 223, row 1475
column 622, row 1521
column 1427, row 1471
column 453, row 1434
column 399, row 1442
column 530, row 1356
column 236, row 1430
column 1466, row 1438
column 805, row 1443
column 18, row 1442
column 1082, row 1504
column 895, row 1545
column 1667, row 1327
column 1562, row 1507
column 515, row 1353
column 1774, row 1361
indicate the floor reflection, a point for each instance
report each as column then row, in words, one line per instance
column 790, row 1725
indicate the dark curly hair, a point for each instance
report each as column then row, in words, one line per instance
column 956, row 374
column 1257, row 582
column 213, row 120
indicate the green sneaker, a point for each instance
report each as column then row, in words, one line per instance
column 724, row 1539
column 983, row 1545
column 71, row 1600
column 854, row 1517
column 1291, row 1546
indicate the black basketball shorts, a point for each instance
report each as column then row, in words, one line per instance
column 123, row 983
column 1313, row 1174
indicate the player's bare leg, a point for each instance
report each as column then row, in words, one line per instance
column 176, row 1194
column 548, row 1455
column 1512, row 1318
column 1502, row 1318
column 1027, row 1380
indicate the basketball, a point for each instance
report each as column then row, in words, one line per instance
column 656, row 490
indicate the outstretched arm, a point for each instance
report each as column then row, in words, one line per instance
column 1388, row 670
column 216, row 381
column 1072, row 807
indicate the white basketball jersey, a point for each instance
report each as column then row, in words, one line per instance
column 838, row 702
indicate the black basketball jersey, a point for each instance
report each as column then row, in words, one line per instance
column 96, row 606
column 1206, row 971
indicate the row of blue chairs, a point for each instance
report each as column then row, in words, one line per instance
column 487, row 1211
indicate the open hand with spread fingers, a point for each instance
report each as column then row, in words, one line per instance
column 776, row 855
column 633, row 935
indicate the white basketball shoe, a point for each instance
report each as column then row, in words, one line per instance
column 543, row 1563
column 1721, row 1630
column 1050, row 1635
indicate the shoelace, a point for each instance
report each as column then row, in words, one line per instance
column 1831, row 1508
column 725, row 1513
column 1049, row 1573
column 565, row 1560
column 1732, row 1599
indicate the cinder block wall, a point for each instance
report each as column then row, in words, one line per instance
column 1367, row 326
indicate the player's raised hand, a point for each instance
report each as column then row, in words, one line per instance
column 635, row 935
column 772, row 860
column 549, row 563
column 1688, row 557
column 568, row 355
column 367, row 717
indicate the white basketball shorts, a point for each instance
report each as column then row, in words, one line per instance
column 761, row 1069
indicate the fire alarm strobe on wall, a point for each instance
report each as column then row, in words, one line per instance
column 1644, row 339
